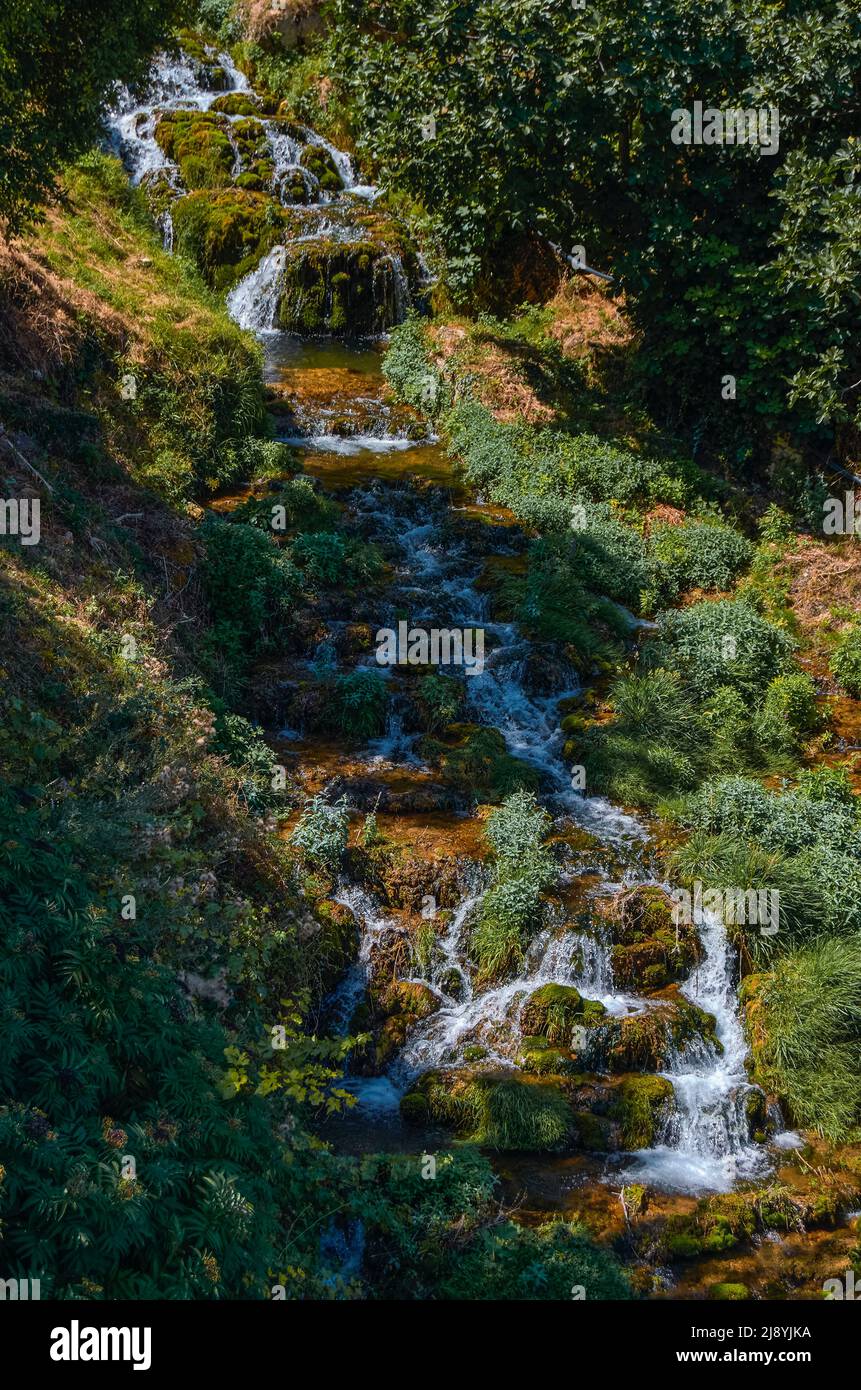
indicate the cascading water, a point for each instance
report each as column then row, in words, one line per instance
column 705, row 1144
column 322, row 214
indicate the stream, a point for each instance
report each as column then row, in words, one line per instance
column 394, row 483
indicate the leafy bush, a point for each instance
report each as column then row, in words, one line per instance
column 359, row 704
column 789, row 713
column 846, row 659
column 516, row 832
column 321, row 832
column 441, row 699
column 243, row 744
column 548, row 1262
column 249, row 582
column 327, row 558
column 721, row 643
column 697, row 554
column 820, row 812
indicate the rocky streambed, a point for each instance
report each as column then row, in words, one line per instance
column 605, row 1064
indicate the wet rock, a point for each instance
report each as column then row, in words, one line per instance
column 546, row 671
column 650, row 949
column 641, row 1107
column 649, row 1041
column 403, row 881
column 554, row 1011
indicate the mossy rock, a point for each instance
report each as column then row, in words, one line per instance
column 331, row 286
column 538, row 1057
column 641, row 1107
column 199, row 145
column 650, row 950
column 499, row 1111
column 553, row 1011
column 294, row 188
column 319, row 162
column 237, row 104
column 414, row 1108
column 408, row 997
column 334, row 945
column 476, row 761
column 647, row 1041
column 717, row 1224
column 729, row 1293
column 226, row 231
column 595, row 1133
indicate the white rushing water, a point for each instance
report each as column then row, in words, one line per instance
column 705, row 1145
column 178, row 82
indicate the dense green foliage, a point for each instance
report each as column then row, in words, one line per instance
column 554, row 121
column 59, row 60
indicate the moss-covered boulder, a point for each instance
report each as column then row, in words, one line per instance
column 729, row 1293
column 497, row 1110
column 475, row 760
column 226, row 231
column 331, row 286
column 650, row 949
column 642, row 1106
column 554, row 1011
column 539, row 1057
column 199, row 144
column 648, row 1041
column 319, row 162
column 402, row 1004
column 238, row 104
column 330, row 943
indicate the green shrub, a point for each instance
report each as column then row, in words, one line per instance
column 248, row 581
column 516, row 832
column 243, row 744
column 846, row 659
column 789, row 713
column 721, row 643
column 441, row 699
column 550, row 1262
column 695, row 555
column 359, row 703
column 321, row 832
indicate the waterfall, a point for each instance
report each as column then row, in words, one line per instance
column 707, row 1139
column 254, row 302
column 705, row 1145
column 178, row 83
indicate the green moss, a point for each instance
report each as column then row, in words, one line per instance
column 726, row 1293
column 237, row 104
column 476, row 761
column 640, row 1106
column 320, row 163
column 199, row 144
column 554, row 1010
column 646, row 1041
column 226, row 231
